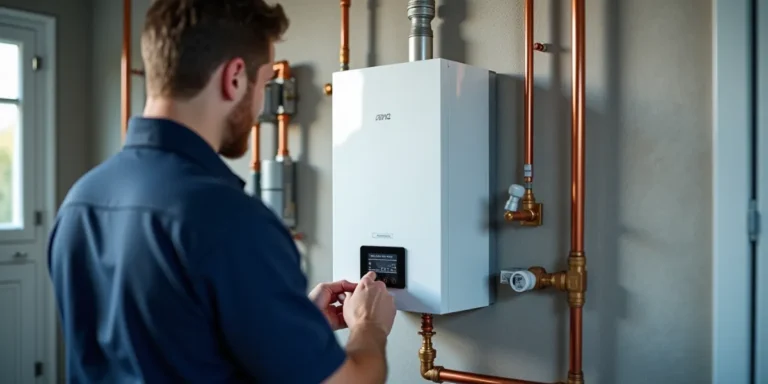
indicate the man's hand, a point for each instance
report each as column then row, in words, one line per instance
column 325, row 295
column 370, row 304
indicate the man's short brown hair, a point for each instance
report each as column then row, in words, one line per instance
column 184, row 41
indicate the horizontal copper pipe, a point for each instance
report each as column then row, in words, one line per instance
column 519, row 215
column 473, row 378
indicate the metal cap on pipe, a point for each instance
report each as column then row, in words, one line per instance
column 420, row 13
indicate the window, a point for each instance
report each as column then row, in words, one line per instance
column 22, row 156
column 11, row 199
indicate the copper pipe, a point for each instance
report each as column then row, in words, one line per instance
column 577, row 260
column 256, row 148
column 528, row 107
column 344, row 52
column 282, row 131
column 283, row 72
column 577, row 129
column 575, row 340
column 524, row 215
column 439, row 374
column 125, row 70
column 473, row 378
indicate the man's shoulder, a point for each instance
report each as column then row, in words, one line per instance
column 168, row 185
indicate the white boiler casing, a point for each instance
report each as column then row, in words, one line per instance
column 412, row 180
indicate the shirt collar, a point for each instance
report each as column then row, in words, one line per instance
column 170, row 136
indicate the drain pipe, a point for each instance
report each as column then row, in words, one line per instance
column 420, row 13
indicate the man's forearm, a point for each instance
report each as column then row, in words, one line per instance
column 366, row 348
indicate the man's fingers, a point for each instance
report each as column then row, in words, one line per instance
column 341, row 286
column 369, row 277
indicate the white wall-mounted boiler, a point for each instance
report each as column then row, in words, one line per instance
column 412, row 147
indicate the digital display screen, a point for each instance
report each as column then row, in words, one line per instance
column 387, row 262
column 382, row 263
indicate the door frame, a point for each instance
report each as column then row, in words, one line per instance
column 45, row 93
column 733, row 118
column 761, row 255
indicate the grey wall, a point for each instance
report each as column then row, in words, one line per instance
column 73, row 35
column 648, row 218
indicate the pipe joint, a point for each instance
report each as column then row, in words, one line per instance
column 577, row 279
column 530, row 214
column 575, row 378
column 432, row 374
column 420, row 13
column 545, row 280
column 428, row 354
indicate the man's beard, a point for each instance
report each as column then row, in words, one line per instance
column 238, row 128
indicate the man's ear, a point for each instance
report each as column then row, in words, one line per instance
column 233, row 79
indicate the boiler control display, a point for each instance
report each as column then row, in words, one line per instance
column 387, row 262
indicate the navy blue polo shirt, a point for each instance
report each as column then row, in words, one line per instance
column 166, row 271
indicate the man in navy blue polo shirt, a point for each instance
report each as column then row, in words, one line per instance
column 165, row 270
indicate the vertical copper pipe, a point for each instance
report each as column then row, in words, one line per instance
column 282, row 131
column 344, row 53
column 575, row 340
column 283, row 72
column 578, row 151
column 125, row 70
column 577, row 129
column 528, row 107
column 256, row 148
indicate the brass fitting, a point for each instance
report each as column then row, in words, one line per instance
column 546, row 280
column 328, row 89
column 573, row 281
column 427, row 354
column 530, row 214
column 577, row 279
column 575, row 378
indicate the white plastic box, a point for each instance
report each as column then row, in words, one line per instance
column 412, row 148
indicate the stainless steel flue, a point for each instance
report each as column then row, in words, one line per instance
column 420, row 13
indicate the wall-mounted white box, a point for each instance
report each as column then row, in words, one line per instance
column 412, row 177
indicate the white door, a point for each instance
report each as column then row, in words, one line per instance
column 24, row 350
column 17, row 323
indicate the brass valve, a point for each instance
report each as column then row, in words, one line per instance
column 530, row 214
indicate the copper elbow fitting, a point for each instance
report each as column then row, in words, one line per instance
column 282, row 70
column 530, row 214
column 428, row 354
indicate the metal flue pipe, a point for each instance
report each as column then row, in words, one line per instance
column 420, row 13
